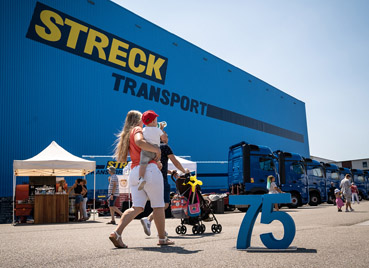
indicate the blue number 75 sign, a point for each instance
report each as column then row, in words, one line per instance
column 265, row 204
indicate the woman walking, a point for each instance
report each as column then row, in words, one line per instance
column 131, row 141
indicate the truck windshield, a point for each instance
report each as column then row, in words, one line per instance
column 297, row 168
column 359, row 179
column 334, row 175
column 315, row 171
column 266, row 164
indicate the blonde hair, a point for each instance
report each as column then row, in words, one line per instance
column 269, row 181
column 132, row 120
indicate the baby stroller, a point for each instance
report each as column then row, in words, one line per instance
column 185, row 200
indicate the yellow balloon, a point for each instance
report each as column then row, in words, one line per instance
column 194, row 183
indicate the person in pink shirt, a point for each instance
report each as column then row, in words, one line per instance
column 339, row 201
column 354, row 192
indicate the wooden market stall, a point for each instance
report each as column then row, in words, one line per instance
column 53, row 161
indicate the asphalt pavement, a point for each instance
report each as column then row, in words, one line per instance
column 324, row 238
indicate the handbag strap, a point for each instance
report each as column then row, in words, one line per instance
column 193, row 196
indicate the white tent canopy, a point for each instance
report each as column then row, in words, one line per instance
column 192, row 166
column 53, row 161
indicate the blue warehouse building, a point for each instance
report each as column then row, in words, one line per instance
column 71, row 70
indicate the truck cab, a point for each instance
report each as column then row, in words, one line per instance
column 317, row 182
column 366, row 176
column 249, row 166
column 332, row 177
column 343, row 172
column 359, row 179
column 293, row 177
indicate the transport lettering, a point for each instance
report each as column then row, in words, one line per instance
column 153, row 93
column 54, row 28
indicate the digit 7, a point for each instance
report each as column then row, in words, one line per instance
column 247, row 225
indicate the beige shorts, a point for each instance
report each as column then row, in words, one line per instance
column 348, row 197
column 153, row 189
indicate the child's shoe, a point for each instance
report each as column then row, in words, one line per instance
column 141, row 183
column 339, row 210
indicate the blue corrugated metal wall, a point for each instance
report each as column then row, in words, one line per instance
column 51, row 94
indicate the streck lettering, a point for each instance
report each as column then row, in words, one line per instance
column 54, row 28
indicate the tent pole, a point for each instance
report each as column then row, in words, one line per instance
column 94, row 192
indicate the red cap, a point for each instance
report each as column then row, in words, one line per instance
column 148, row 117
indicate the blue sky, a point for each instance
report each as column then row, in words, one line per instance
column 315, row 50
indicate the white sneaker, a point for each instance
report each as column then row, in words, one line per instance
column 141, row 184
column 146, row 224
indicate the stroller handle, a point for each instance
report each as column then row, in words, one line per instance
column 186, row 176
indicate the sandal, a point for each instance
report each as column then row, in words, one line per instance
column 111, row 222
column 115, row 238
column 165, row 242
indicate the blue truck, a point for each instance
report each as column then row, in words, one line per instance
column 249, row 166
column 332, row 175
column 343, row 171
column 317, row 182
column 366, row 175
column 359, row 179
column 293, row 178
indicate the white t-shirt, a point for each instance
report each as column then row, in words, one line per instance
column 152, row 135
column 272, row 189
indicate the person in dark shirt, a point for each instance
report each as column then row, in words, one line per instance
column 166, row 154
column 331, row 194
column 79, row 191
column 84, row 202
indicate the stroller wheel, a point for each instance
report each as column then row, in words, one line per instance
column 200, row 230
column 183, row 229
column 216, row 228
column 203, row 227
column 179, row 229
column 195, row 229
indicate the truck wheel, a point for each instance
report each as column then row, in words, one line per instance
column 295, row 201
column 361, row 197
column 314, row 199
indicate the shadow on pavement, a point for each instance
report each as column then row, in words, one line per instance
column 191, row 236
column 168, row 249
column 298, row 250
column 56, row 224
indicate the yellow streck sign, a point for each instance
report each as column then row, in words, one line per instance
column 57, row 29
